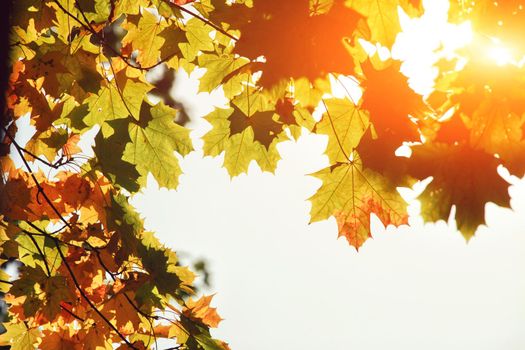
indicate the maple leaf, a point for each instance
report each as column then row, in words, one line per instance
column 198, row 39
column 390, row 101
column 355, row 226
column 26, row 10
column 295, row 41
column 265, row 127
column 153, row 145
column 456, row 171
column 122, row 173
column 57, row 291
column 234, row 135
column 29, row 287
column 145, row 37
column 71, row 147
column 247, row 131
column 95, row 338
column 15, row 197
column 218, row 69
column 170, row 52
column 82, row 74
column 171, row 277
column 57, row 341
column 118, row 98
column 45, row 71
column 19, row 337
column 48, row 143
column 201, row 312
column 124, row 312
column 42, row 107
column 351, row 193
column 344, row 123
column 382, row 19
column 78, row 66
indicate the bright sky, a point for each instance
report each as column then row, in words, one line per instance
column 284, row 284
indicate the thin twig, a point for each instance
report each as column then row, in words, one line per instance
column 100, row 39
column 86, row 298
column 43, row 161
column 72, row 313
column 204, row 20
column 39, row 187
column 148, row 317
column 57, row 244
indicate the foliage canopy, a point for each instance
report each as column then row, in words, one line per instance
column 91, row 276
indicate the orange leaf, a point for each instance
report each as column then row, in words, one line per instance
column 200, row 311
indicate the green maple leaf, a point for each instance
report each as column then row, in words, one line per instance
column 144, row 37
column 198, row 36
column 29, row 255
column 218, row 67
column 19, row 337
column 239, row 142
column 242, row 149
column 122, row 173
column 351, row 193
column 344, row 123
column 123, row 219
column 130, row 7
column 170, row 51
column 307, row 95
column 95, row 11
column 161, row 263
column 116, row 99
column 153, row 143
column 82, row 65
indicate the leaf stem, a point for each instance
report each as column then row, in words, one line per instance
column 335, row 132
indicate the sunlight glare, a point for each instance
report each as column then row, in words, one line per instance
column 501, row 55
column 427, row 39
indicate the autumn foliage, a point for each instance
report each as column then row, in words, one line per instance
column 91, row 277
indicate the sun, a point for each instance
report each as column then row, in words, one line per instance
column 501, row 55
column 430, row 38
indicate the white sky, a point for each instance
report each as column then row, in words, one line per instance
column 284, row 284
